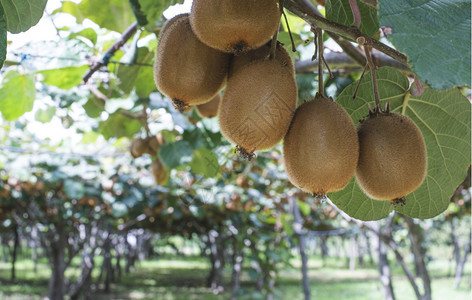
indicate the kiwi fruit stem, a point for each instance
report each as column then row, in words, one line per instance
column 248, row 155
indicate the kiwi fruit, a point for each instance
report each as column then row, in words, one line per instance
column 257, row 106
column 392, row 156
column 209, row 109
column 321, row 148
column 186, row 70
column 154, row 143
column 158, row 172
column 261, row 53
column 234, row 26
column 138, row 147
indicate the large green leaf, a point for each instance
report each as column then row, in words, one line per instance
column 3, row 38
column 17, row 94
column 149, row 12
column 21, row 15
column 176, row 154
column 118, row 125
column 435, row 35
column 340, row 12
column 64, row 78
column 444, row 120
column 128, row 74
column 205, row 163
column 111, row 14
column 72, row 8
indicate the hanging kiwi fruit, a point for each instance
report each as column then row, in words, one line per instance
column 257, row 106
column 392, row 156
column 159, row 172
column 138, row 147
column 234, row 26
column 321, row 148
column 209, row 109
column 186, row 70
column 261, row 53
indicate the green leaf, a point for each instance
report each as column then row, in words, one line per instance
column 45, row 115
column 93, row 107
column 340, row 12
column 176, row 154
column 304, row 207
column 87, row 33
column 71, row 8
column 119, row 125
column 152, row 11
column 444, row 120
column 111, row 14
column 3, row 37
column 128, row 74
column 139, row 14
column 89, row 137
column 64, row 78
column 435, row 35
column 17, row 94
column 205, row 163
column 74, row 189
column 21, row 15
column 145, row 84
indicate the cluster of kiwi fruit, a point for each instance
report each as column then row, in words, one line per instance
column 150, row 145
column 225, row 45
column 323, row 150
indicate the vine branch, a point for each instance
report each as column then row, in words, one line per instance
column 302, row 10
column 129, row 32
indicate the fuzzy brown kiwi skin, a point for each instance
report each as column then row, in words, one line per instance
column 261, row 53
column 392, row 159
column 209, row 109
column 257, row 106
column 186, row 70
column 234, row 26
column 321, row 148
column 138, row 147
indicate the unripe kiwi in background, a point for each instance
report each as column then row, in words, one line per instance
column 392, row 157
column 158, row 172
column 320, row 149
column 257, row 106
column 138, row 147
column 209, row 109
column 235, row 26
column 261, row 53
column 186, row 70
column 154, row 143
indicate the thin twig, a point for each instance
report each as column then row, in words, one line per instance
column 300, row 9
column 273, row 44
column 354, row 95
column 129, row 32
column 356, row 13
column 319, row 34
column 372, row 68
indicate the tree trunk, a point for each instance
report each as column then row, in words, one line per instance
column 352, row 252
column 384, row 268
column 460, row 266
column 297, row 226
column 57, row 286
column 417, row 241
column 237, row 269
column 16, row 243
column 215, row 278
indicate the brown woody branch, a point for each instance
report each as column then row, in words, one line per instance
column 310, row 15
column 129, row 32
